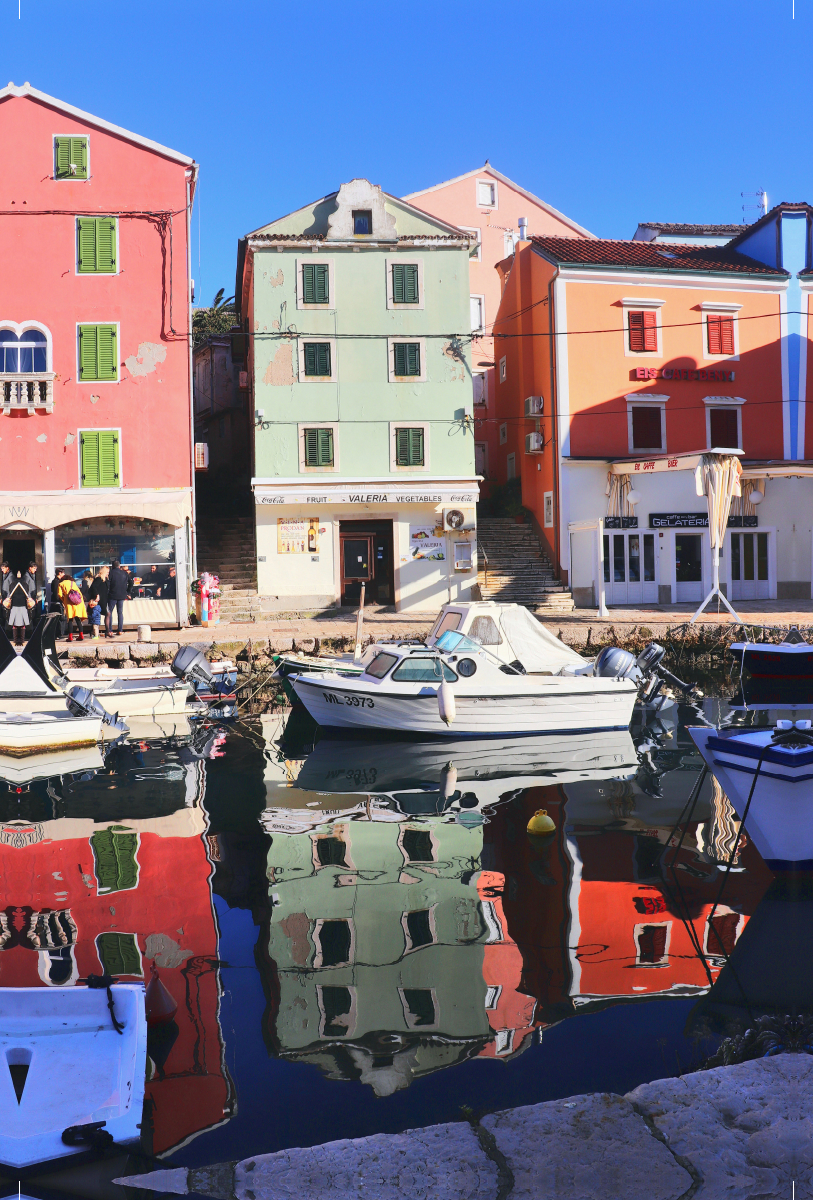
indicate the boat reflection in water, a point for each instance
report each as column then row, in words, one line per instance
column 414, row 923
column 106, row 870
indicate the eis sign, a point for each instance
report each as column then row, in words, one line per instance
column 680, row 373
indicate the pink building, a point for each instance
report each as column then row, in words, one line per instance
column 499, row 211
column 96, row 454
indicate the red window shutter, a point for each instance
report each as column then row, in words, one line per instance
column 715, row 337
column 636, row 323
column 727, row 335
column 650, row 331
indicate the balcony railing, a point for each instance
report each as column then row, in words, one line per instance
column 25, row 393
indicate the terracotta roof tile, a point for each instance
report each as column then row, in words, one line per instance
column 650, row 256
column 694, row 230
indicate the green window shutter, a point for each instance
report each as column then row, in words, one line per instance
column 409, row 447
column 88, row 352
column 69, row 150
column 325, row 447
column 311, row 447
column 86, row 244
column 90, row 458
column 119, row 954
column 398, row 283
column 108, row 357
column 108, row 458
column 106, row 244
column 317, row 358
column 413, row 358
column 315, row 283
column 114, row 850
column 400, row 358
column 405, row 283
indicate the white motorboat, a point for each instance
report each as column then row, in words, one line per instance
column 67, row 1067
column 507, row 675
column 774, row 767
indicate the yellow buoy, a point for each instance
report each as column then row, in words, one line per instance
column 541, row 823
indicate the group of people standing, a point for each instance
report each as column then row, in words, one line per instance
column 96, row 598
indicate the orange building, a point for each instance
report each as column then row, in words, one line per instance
column 499, row 212
column 618, row 363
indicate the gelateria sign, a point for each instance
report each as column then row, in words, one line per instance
column 696, row 520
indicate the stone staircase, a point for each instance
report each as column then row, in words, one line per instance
column 226, row 547
column 518, row 570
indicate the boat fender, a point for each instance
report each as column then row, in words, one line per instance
column 161, row 1006
column 446, row 703
column 93, row 1134
column 448, row 780
column 541, row 823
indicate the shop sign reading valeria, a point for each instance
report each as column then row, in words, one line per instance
column 385, row 497
column 682, row 373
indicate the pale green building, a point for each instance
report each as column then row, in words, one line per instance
column 358, row 315
column 377, row 938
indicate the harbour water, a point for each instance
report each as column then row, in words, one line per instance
column 363, row 937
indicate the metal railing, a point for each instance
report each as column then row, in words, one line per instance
column 481, row 555
column 27, row 392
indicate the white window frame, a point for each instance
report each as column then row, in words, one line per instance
column 642, row 400
column 719, row 310
column 300, row 431
column 408, row 260
column 493, row 993
column 492, row 183
column 352, row 1016
column 482, row 375
column 331, row 285
column 99, row 491
column 317, row 954
column 336, row 832
column 17, row 330
column 647, row 304
column 391, row 343
column 334, row 366
column 408, row 1018
column 503, row 369
column 510, row 467
column 98, row 382
column 94, row 274
column 735, row 402
column 636, row 933
column 484, row 448
column 70, row 178
column 547, row 508
column 503, row 433
column 424, row 425
column 477, row 256
column 478, row 296
column 510, row 237
column 433, row 929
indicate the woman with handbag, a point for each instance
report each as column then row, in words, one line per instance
column 71, row 600
column 17, row 603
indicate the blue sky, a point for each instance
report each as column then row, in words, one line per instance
column 613, row 112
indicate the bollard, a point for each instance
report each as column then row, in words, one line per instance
column 144, row 633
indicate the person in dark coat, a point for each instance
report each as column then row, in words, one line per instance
column 168, row 590
column 97, row 600
column 118, row 590
column 32, row 587
column 6, row 584
column 56, row 603
column 19, row 602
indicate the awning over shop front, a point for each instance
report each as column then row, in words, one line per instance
column 367, row 491
column 657, row 463
column 47, row 510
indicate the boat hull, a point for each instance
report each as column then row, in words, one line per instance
column 780, row 815
column 556, row 709
column 22, row 735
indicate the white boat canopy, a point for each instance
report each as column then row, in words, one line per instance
column 535, row 647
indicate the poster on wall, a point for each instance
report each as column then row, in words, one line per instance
column 424, row 543
column 297, row 535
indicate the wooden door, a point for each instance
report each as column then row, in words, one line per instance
column 357, row 564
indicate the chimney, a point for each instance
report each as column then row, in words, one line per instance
column 523, row 229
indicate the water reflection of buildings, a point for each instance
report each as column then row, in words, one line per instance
column 375, row 949
column 109, row 872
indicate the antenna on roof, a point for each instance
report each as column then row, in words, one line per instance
column 762, row 202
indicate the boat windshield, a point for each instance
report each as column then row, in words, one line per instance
column 421, row 668
column 456, row 641
column 380, row 665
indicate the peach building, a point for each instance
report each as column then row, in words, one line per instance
column 640, row 355
column 499, row 212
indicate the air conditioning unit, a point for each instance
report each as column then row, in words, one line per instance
column 534, row 443
column 201, row 456
column 534, row 406
column 243, row 380
column 459, row 518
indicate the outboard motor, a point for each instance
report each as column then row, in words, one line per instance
column 190, row 665
column 615, row 663
column 650, row 657
column 83, row 703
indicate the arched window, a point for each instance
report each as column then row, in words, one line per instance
column 23, row 355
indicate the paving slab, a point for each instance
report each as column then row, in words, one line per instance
column 585, row 1148
column 747, row 1129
